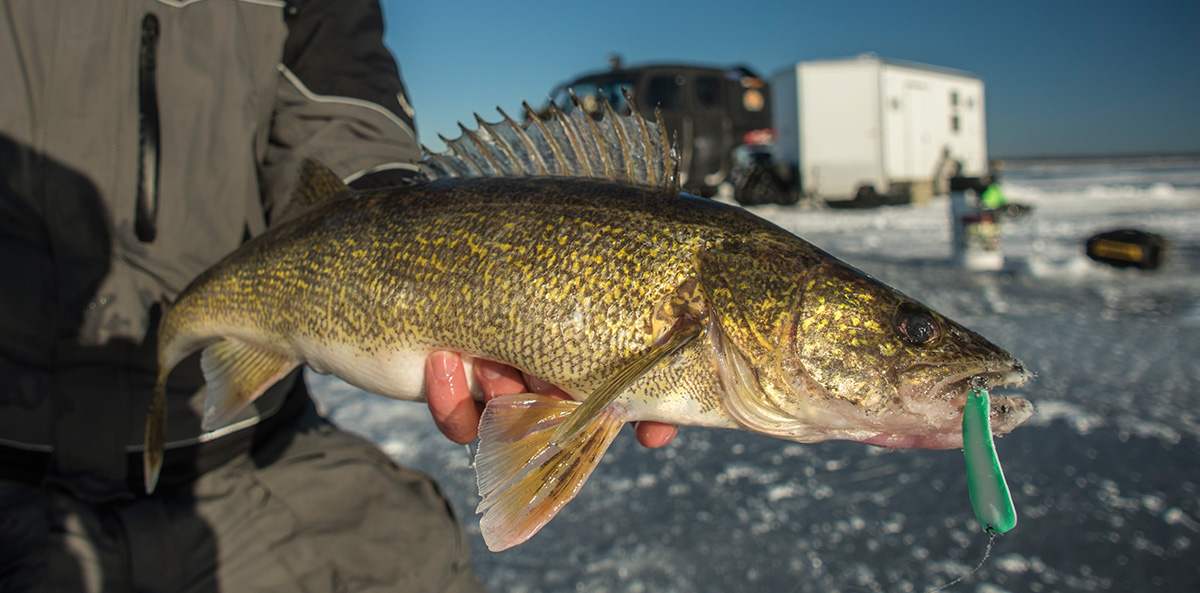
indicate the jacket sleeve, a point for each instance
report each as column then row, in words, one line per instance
column 340, row 100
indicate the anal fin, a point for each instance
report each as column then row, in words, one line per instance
column 236, row 374
column 523, row 479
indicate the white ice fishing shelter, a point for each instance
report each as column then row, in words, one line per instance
column 850, row 125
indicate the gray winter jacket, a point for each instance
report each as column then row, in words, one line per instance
column 141, row 141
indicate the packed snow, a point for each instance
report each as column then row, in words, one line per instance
column 1105, row 477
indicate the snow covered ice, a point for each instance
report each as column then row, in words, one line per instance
column 1106, row 477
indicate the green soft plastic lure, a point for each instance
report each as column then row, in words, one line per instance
column 989, row 492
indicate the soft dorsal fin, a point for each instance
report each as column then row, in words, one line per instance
column 625, row 148
column 317, row 184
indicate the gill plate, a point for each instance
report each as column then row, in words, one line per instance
column 745, row 400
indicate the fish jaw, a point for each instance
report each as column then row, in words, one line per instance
column 928, row 418
column 943, row 417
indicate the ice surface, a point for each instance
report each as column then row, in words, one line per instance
column 1105, row 477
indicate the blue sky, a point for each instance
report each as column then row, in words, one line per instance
column 1062, row 77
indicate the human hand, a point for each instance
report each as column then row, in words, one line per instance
column 457, row 414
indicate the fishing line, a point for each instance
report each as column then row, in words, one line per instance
column 987, row 552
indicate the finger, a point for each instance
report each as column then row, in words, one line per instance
column 541, row 387
column 654, row 434
column 449, row 399
column 498, row 379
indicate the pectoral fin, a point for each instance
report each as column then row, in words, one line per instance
column 684, row 331
column 523, row 479
column 236, row 374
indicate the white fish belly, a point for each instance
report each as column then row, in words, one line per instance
column 398, row 374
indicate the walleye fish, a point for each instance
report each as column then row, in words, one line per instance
column 565, row 248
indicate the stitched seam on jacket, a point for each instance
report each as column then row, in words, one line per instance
column 384, row 167
column 183, row 3
column 312, row 96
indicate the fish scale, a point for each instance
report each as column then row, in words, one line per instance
column 572, row 300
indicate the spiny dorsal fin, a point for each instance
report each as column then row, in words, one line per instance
column 624, row 148
column 317, row 184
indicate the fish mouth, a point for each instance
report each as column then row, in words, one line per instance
column 942, row 412
column 923, row 414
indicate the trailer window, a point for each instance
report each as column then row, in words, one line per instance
column 708, row 91
column 663, row 92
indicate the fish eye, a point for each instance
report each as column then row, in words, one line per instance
column 917, row 327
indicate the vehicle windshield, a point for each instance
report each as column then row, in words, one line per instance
column 588, row 93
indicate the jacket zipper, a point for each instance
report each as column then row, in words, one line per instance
column 146, row 220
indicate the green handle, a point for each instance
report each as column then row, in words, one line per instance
column 985, row 480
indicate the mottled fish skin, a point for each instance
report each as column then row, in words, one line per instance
column 561, row 278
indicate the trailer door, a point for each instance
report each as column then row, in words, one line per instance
column 919, row 152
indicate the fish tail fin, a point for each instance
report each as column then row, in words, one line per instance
column 156, row 430
column 525, row 481
column 575, row 143
column 236, row 374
